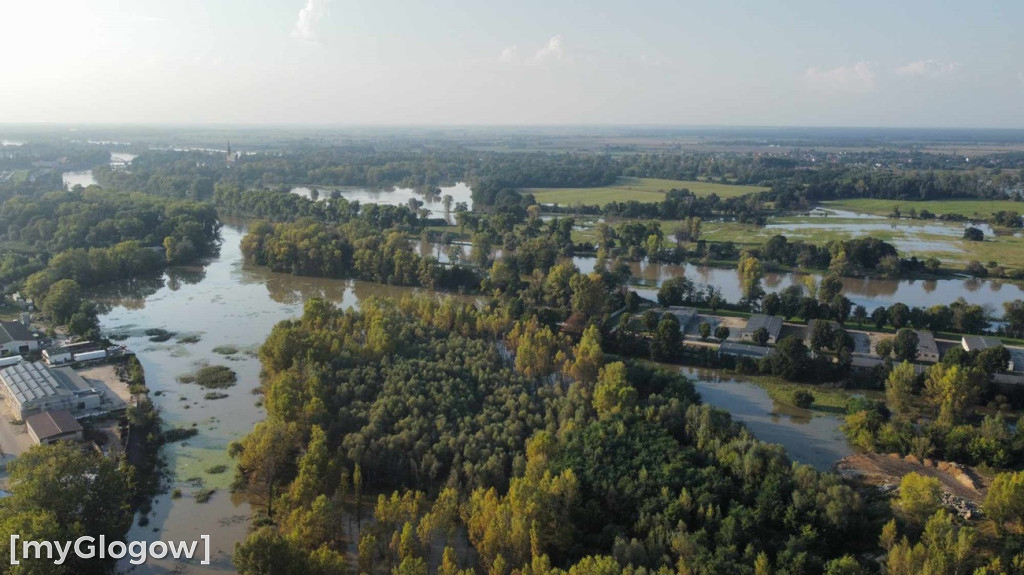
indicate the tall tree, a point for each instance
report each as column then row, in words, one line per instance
column 899, row 387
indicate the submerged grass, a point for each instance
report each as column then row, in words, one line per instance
column 211, row 377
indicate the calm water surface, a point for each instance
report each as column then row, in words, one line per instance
column 460, row 192
column 869, row 292
column 810, row 437
column 80, row 178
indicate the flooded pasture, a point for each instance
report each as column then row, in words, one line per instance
column 434, row 203
column 810, row 437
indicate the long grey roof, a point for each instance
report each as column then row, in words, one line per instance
column 926, row 343
column 772, row 323
column 28, row 381
column 14, row 331
column 980, row 342
column 730, row 348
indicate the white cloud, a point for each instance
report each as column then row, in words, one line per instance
column 551, row 51
column 309, row 17
column 509, row 54
column 928, row 68
column 856, row 78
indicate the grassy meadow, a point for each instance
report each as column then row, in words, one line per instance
column 639, row 189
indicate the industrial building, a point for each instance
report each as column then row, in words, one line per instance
column 16, row 339
column 31, row 388
column 53, row 426
column 772, row 323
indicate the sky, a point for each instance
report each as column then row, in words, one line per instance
column 909, row 63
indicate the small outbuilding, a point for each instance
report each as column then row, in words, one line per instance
column 53, row 426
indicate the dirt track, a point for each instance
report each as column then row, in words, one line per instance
column 960, row 480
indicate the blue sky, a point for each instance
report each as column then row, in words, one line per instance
column 821, row 63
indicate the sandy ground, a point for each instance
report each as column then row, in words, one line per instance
column 960, row 480
column 14, row 439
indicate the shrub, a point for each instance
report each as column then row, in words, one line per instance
column 803, row 399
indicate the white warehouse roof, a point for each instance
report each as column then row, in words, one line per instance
column 29, row 381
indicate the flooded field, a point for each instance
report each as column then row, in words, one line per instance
column 810, row 437
column 434, row 203
column 80, row 178
column 869, row 292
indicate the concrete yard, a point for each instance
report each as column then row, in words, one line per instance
column 104, row 377
column 14, row 438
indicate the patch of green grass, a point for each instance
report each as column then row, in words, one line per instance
column 214, row 470
column 225, row 349
column 211, row 377
column 203, row 495
column 159, row 335
column 189, row 339
column 179, row 434
column 828, row 399
column 639, row 189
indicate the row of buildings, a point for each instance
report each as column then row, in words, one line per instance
column 928, row 350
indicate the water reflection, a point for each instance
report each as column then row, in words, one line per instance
column 869, row 292
column 809, row 437
column 78, row 178
column 434, row 203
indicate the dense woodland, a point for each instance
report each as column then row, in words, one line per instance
column 353, row 250
column 540, row 453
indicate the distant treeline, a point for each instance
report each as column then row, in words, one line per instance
column 796, row 179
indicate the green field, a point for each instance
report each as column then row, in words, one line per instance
column 639, row 189
column 969, row 208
